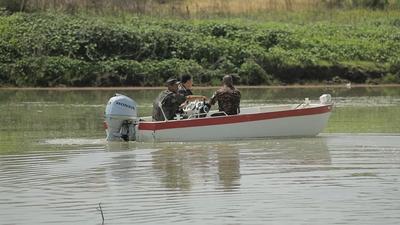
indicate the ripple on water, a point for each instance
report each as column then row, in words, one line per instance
column 335, row 178
column 74, row 141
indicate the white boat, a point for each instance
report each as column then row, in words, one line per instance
column 297, row 120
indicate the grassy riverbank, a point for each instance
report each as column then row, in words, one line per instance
column 57, row 49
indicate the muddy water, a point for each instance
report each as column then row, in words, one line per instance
column 55, row 167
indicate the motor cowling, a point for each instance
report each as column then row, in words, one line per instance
column 120, row 118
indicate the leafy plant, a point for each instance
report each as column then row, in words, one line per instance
column 46, row 49
column 253, row 74
column 13, row 5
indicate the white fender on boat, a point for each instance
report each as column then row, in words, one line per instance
column 325, row 99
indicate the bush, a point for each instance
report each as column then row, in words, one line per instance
column 157, row 72
column 253, row 74
column 102, row 42
column 70, row 72
column 395, row 66
column 271, row 38
column 4, row 79
column 12, row 5
column 391, row 78
column 52, row 71
column 372, row 4
column 8, row 53
column 50, row 50
column 121, row 73
column 27, row 72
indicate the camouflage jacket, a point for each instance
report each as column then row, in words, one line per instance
column 228, row 100
column 170, row 103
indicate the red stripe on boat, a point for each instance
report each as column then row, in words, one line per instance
column 160, row 125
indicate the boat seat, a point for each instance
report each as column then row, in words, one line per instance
column 218, row 114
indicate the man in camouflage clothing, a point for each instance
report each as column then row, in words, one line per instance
column 228, row 97
column 169, row 100
column 185, row 86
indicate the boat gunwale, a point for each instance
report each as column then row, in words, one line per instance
column 232, row 119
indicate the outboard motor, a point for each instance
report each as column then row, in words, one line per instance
column 120, row 118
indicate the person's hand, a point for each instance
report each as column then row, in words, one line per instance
column 183, row 104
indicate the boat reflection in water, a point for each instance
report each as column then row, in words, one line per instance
column 221, row 165
column 181, row 167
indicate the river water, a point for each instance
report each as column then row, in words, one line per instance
column 55, row 167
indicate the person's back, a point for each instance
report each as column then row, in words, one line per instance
column 228, row 97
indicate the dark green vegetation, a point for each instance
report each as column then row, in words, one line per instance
column 48, row 49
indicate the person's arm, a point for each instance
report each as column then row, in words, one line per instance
column 213, row 99
column 180, row 98
column 240, row 96
column 195, row 97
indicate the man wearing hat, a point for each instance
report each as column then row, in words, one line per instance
column 185, row 86
column 168, row 101
column 228, row 97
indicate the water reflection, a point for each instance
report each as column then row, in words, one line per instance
column 55, row 163
column 120, row 168
column 228, row 166
column 181, row 166
column 118, row 146
column 174, row 167
column 181, row 183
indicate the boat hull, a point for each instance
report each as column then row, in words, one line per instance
column 285, row 123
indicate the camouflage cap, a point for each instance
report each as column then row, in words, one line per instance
column 227, row 80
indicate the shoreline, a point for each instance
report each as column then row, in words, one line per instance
column 203, row 87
